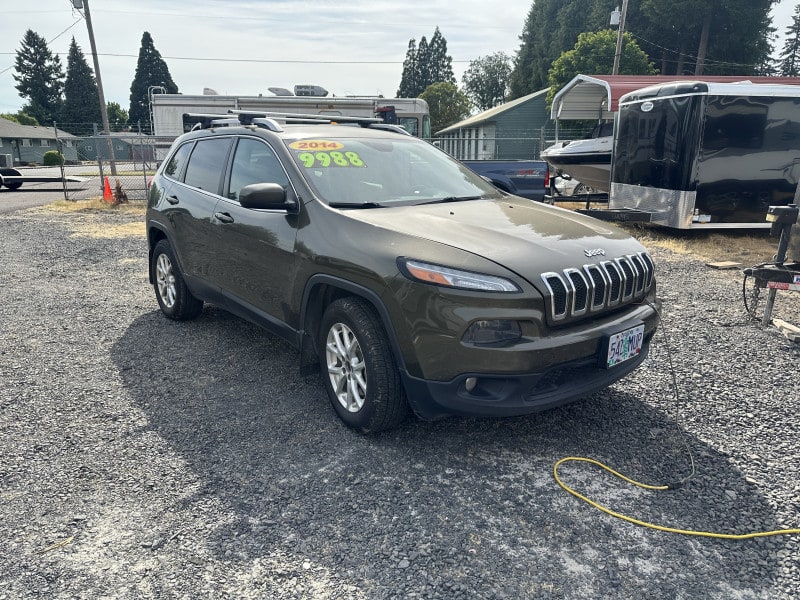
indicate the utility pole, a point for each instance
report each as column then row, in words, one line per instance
column 103, row 112
column 620, row 31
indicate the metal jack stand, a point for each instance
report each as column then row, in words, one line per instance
column 778, row 275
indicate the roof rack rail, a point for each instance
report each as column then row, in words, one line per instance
column 270, row 120
column 309, row 118
column 206, row 121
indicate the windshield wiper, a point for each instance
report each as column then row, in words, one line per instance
column 356, row 205
column 451, row 199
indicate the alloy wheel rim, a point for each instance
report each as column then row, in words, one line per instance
column 165, row 279
column 346, row 367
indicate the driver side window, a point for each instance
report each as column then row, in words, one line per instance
column 254, row 162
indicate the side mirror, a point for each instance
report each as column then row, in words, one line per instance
column 266, row 196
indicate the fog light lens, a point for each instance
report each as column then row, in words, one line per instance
column 496, row 331
column 470, row 383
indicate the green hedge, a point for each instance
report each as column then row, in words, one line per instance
column 53, row 158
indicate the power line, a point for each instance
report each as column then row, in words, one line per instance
column 48, row 41
column 692, row 56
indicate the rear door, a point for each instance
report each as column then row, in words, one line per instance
column 192, row 203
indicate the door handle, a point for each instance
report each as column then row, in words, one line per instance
column 172, row 199
column 223, row 217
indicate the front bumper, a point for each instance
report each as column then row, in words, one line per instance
column 515, row 394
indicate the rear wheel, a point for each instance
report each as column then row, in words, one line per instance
column 174, row 297
column 358, row 367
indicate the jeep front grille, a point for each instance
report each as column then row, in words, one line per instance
column 594, row 288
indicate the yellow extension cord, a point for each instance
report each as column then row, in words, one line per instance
column 726, row 536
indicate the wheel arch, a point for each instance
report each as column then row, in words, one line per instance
column 320, row 291
column 155, row 233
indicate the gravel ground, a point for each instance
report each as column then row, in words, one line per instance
column 142, row 458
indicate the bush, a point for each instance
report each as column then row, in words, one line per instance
column 53, row 158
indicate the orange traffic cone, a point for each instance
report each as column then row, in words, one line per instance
column 107, row 195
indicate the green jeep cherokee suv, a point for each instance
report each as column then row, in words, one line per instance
column 411, row 281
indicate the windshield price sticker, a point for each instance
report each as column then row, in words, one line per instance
column 316, row 145
column 624, row 345
column 334, row 158
column 325, row 153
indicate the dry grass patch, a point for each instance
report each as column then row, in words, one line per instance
column 95, row 205
column 746, row 246
column 95, row 226
column 104, row 230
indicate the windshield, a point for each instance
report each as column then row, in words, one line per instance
column 383, row 172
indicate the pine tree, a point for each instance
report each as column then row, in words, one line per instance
column 425, row 64
column 440, row 64
column 790, row 57
column 81, row 104
column 39, row 78
column 408, row 80
column 151, row 70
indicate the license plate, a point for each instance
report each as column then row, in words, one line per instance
column 624, row 345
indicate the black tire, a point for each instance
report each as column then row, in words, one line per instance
column 14, row 172
column 359, row 372
column 174, row 298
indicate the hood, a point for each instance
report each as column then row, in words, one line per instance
column 526, row 237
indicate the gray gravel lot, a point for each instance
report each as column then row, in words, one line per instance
column 142, row 458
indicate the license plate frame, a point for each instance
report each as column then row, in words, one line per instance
column 621, row 346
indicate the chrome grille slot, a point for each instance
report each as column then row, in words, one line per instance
column 559, row 295
column 598, row 281
column 629, row 278
column 615, row 278
column 593, row 288
column 580, row 291
column 649, row 267
column 638, row 266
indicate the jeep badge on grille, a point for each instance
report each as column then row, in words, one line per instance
column 590, row 252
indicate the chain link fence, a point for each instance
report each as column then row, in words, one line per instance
column 119, row 164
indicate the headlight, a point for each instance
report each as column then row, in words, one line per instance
column 454, row 278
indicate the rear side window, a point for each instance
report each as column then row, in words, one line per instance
column 174, row 168
column 207, row 163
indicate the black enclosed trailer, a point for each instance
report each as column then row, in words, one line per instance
column 706, row 155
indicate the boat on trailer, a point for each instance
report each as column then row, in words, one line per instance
column 587, row 160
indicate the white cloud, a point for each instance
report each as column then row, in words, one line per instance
column 309, row 41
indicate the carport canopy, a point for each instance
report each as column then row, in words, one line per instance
column 595, row 97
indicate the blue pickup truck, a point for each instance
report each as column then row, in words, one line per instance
column 526, row 178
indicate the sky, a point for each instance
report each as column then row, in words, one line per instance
column 243, row 47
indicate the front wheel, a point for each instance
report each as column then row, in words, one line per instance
column 358, row 367
column 174, row 297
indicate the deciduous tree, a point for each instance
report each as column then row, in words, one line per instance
column 20, row 117
column 594, row 54
column 151, row 70
column 117, row 116
column 486, row 80
column 447, row 104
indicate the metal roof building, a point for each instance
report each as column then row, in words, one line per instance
column 592, row 97
column 28, row 143
column 510, row 131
